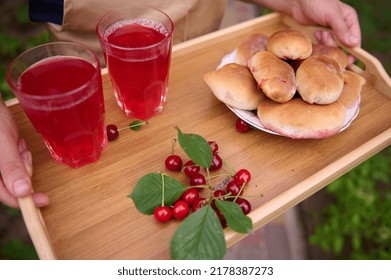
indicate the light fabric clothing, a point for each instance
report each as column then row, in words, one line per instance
column 191, row 18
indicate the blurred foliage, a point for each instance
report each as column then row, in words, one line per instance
column 375, row 24
column 358, row 224
column 15, row 249
column 11, row 212
column 14, row 41
column 22, row 15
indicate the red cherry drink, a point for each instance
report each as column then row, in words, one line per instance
column 138, row 58
column 72, row 125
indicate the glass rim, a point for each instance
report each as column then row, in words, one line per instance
column 102, row 37
column 68, row 93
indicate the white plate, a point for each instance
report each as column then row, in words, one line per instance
column 251, row 116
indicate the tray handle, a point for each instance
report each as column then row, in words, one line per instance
column 36, row 226
column 373, row 70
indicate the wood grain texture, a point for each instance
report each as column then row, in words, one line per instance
column 90, row 216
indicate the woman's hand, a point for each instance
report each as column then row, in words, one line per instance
column 15, row 160
column 338, row 16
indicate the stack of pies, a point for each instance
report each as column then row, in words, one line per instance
column 298, row 89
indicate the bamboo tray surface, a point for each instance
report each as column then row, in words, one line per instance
column 90, row 216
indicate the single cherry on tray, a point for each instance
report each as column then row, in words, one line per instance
column 219, row 194
column 242, row 176
column 198, row 204
column 217, row 162
column 244, row 205
column 190, row 196
column 242, row 126
column 213, row 146
column 197, row 180
column 162, row 214
column 173, row 163
column 234, row 188
column 181, row 210
column 221, row 217
column 190, row 168
column 112, row 132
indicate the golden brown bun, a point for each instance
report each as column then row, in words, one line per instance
column 298, row 119
column 289, row 44
column 253, row 44
column 319, row 79
column 234, row 85
column 274, row 76
column 334, row 52
column 351, row 90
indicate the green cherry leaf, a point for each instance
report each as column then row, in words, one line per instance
column 196, row 147
column 136, row 125
column 147, row 194
column 199, row 237
column 234, row 216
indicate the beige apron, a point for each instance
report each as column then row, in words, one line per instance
column 191, row 18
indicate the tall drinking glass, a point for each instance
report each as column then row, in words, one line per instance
column 136, row 44
column 59, row 86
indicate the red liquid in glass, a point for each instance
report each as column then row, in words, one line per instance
column 72, row 125
column 139, row 77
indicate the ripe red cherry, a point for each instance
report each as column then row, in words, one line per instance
column 162, row 214
column 197, row 180
column 112, row 132
column 173, row 163
column 242, row 126
column 181, row 210
column 213, row 146
column 217, row 162
column 234, row 188
column 191, row 169
column 190, row 196
column 222, row 219
column 198, row 204
column 219, row 194
column 244, row 204
column 242, row 176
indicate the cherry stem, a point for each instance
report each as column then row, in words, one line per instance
column 242, row 196
column 133, row 125
column 209, row 183
column 240, row 191
column 173, row 144
column 199, row 187
column 209, row 177
column 220, row 175
column 162, row 175
column 229, row 167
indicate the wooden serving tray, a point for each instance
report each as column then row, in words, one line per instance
column 90, row 216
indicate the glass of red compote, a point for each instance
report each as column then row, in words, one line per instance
column 59, row 86
column 136, row 44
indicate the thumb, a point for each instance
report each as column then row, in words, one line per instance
column 13, row 171
column 16, row 179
